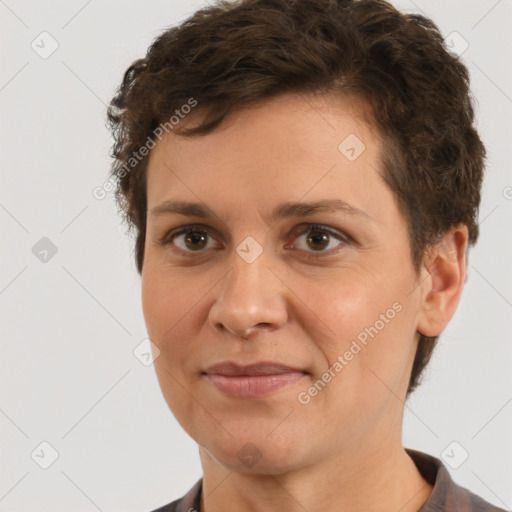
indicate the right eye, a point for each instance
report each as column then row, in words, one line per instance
column 189, row 239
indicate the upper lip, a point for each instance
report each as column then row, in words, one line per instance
column 261, row 368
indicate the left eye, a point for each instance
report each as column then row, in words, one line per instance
column 318, row 238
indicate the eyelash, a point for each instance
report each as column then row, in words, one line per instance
column 168, row 238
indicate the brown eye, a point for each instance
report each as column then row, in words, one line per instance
column 318, row 239
column 312, row 239
column 190, row 239
column 195, row 240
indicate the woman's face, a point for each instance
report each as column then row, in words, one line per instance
column 254, row 282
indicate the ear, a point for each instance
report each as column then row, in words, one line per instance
column 442, row 281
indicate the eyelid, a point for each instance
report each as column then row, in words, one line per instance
column 181, row 230
column 298, row 230
column 311, row 226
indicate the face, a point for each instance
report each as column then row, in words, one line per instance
column 257, row 273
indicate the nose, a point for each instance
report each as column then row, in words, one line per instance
column 251, row 299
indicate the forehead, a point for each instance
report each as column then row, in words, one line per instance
column 287, row 148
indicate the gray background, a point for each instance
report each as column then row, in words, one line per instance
column 69, row 325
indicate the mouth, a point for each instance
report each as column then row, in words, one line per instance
column 251, row 381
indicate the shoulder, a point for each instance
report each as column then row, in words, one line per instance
column 465, row 500
column 187, row 503
column 447, row 495
column 170, row 507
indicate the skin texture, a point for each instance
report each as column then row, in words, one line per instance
column 295, row 304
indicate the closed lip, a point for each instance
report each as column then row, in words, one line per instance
column 231, row 369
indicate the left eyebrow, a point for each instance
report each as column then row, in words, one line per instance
column 299, row 209
column 284, row 210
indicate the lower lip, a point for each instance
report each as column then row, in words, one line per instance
column 246, row 386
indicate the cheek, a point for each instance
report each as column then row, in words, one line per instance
column 157, row 304
column 350, row 305
column 366, row 362
column 168, row 307
column 371, row 327
column 169, row 304
column 168, row 299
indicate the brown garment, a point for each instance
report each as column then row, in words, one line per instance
column 446, row 495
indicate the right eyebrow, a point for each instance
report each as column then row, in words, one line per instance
column 186, row 208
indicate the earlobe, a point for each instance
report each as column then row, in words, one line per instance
column 445, row 265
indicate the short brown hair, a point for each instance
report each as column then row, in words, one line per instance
column 235, row 54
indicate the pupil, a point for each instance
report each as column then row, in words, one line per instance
column 195, row 239
column 319, row 239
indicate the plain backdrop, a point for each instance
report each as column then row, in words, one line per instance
column 73, row 395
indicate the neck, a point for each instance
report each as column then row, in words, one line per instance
column 386, row 479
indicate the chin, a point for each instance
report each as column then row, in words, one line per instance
column 256, row 454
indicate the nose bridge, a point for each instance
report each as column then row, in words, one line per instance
column 248, row 279
column 250, row 295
